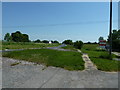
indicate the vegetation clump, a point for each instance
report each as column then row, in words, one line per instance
column 77, row 44
column 68, row 42
column 115, row 40
column 16, row 63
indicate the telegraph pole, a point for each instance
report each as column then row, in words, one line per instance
column 110, row 32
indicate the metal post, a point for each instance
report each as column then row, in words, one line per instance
column 110, row 33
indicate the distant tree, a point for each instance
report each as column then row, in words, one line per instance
column 45, row 41
column 56, row 41
column 25, row 38
column 94, row 42
column 101, row 38
column 68, row 42
column 19, row 37
column 37, row 41
column 78, row 44
column 88, row 42
column 52, row 41
column 8, row 37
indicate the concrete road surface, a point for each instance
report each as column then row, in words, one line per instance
column 29, row 75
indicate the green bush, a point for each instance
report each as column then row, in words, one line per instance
column 68, row 42
column 78, row 44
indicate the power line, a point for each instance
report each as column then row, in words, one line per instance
column 62, row 24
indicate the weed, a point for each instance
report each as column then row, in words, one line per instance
column 16, row 63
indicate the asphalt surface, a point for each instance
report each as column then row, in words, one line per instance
column 29, row 75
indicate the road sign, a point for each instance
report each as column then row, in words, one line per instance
column 102, row 44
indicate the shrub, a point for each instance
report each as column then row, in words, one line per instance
column 68, row 42
column 78, row 44
column 45, row 41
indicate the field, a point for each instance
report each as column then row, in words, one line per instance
column 70, row 47
column 25, row 45
column 65, row 59
column 101, row 58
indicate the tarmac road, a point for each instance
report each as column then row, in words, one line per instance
column 28, row 75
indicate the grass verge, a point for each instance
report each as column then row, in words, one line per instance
column 101, row 58
column 70, row 47
column 25, row 45
column 64, row 59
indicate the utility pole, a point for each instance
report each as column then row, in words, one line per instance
column 110, row 32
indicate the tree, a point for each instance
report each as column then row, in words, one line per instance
column 68, row 42
column 101, row 38
column 115, row 40
column 55, row 41
column 25, row 38
column 7, row 37
column 88, row 42
column 45, row 41
column 52, row 41
column 19, row 37
column 37, row 41
column 94, row 42
column 78, row 44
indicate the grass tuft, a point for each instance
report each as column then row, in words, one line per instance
column 16, row 63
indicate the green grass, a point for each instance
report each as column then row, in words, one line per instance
column 25, row 45
column 70, row 47
column 64, row 59
column 101, row 58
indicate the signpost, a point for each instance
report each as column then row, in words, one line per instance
column 102, row 44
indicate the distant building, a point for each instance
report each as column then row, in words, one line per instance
column 50, row 42
column 102, row 44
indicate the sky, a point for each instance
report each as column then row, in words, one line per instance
column 85, row 21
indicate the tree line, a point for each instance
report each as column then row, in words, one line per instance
column 20, row 37
column 45, row 41
column 77, row 44
column 16, row 37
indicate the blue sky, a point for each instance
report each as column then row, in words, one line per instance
column 85, row 21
